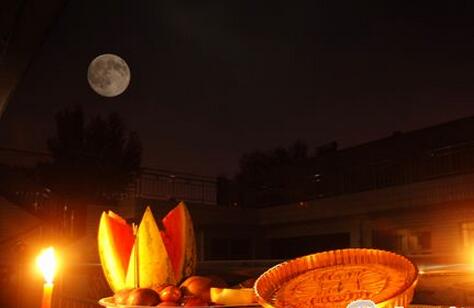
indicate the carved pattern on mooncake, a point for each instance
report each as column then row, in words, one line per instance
column 339, row 285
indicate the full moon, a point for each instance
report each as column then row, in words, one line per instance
column 108, row 75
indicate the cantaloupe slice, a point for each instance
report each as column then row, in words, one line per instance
column 115, row 241
column 154, row 265
column 225, row 296
column 178, row 237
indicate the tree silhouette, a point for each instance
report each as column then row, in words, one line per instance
column 94, row 160
column 275, row 172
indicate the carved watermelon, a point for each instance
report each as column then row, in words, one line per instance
column 166, row 256
column 178, row 236
column 115, row 239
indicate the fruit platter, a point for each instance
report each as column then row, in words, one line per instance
column 154, row 265
column 150, row 266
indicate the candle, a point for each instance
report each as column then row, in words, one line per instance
column 47, row 265
column 47, row 295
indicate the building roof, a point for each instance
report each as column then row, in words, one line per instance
column 449, row 134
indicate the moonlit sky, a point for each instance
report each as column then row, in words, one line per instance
column 212, row 80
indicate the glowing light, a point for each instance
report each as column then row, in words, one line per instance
column 47, row 264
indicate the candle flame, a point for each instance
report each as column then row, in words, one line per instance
column 47, row 264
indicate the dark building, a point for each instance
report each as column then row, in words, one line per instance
column 410, row 192
column 400, row 159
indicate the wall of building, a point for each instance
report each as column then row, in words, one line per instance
column 429, row 214
column 443, row 225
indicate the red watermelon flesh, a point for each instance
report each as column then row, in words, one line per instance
column 178, row 236
column 115, row 241
column 123, row 237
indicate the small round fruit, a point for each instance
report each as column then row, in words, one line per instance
column 121, row 296
column 195, row 285
column 143, row 296
column 170, row 294
column 195, row 302
column 159, row 288
column 168, row 304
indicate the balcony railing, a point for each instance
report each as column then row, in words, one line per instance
column 162, row 184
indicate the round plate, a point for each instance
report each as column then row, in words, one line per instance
column 336, row 278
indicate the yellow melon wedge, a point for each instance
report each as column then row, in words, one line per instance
column 154, row 266
column 225, row 296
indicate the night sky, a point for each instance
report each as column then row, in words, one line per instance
column 212, row 80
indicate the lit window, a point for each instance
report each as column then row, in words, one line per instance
column 419, row 241
column 414, row 241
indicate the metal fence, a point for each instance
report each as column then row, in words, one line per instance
column 162, row 184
